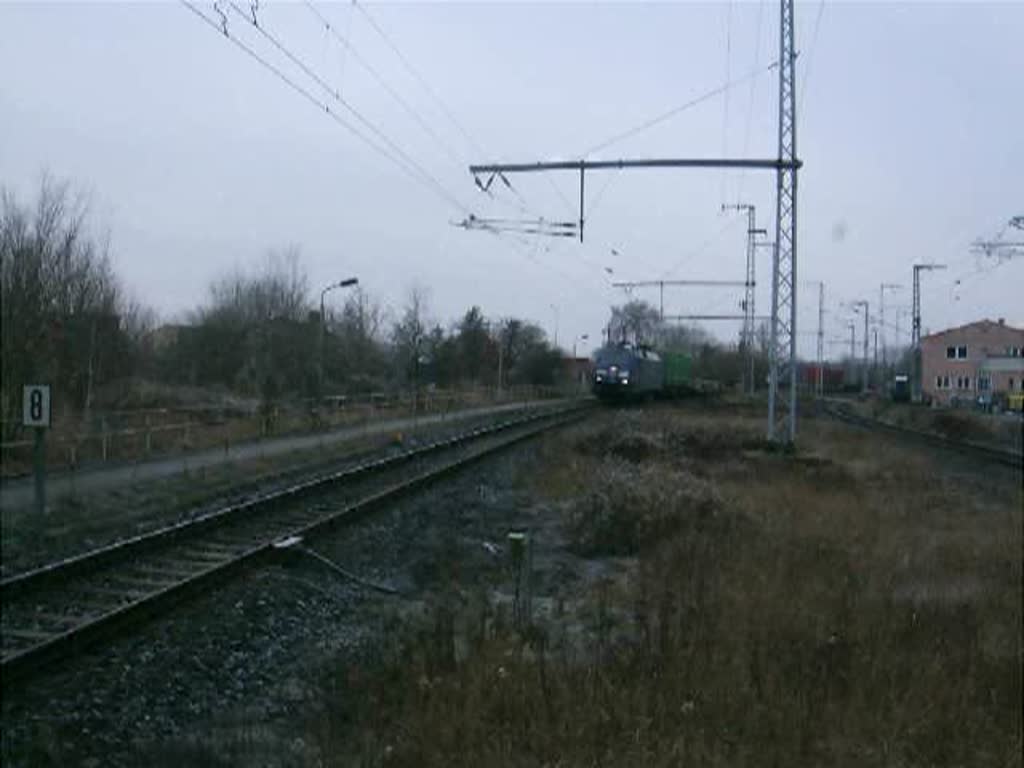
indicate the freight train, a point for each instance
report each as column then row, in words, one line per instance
column 628, row 372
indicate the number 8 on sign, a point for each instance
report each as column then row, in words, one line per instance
column 36, row 405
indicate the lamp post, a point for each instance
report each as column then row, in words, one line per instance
column 554, row 308
column 346, row 283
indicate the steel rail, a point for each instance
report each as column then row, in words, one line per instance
column 988, row 452
column 21, row 664
column 61, row 569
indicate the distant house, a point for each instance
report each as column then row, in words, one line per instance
column 984, row 359
column 577, row 370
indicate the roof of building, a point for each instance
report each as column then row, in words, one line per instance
column 978, row 324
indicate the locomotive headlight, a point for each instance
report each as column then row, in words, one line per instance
column 624, row 381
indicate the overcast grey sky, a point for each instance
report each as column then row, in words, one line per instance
column 910, row 127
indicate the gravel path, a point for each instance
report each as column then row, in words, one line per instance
column 20, row 492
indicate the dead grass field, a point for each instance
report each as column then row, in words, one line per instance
column 857, row 603
column 1003, row 429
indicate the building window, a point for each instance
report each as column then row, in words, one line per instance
column 951, row 353
column 983, row 384
column 945, row 382
column 1011, row 384
column 961, row 352
column 938, row 382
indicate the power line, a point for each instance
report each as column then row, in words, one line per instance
column 681, row 108
column 810, row 51
column 383, row 84
column 750, row 106
column 597, row 198
column 702, row 247
column 302, row 91
column 725, row 100
column 561, row 195
column 419, row 78
column 427, row 177
column 288, row 81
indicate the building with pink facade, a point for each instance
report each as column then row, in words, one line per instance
column 983, row 360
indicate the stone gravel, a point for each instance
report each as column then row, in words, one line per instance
column 232, row 677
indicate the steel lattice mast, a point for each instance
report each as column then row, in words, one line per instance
column 916, row 327
column 781, row 409
column 751, row 281
column 782, row 405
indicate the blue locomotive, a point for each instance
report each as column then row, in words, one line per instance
column 625, row 371
column 628, row 372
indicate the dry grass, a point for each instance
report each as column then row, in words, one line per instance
column 850, row 605
column 954, row 423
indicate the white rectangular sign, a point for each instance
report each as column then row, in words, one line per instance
column 35, row 405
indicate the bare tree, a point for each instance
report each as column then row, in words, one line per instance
column 636, row 321
column 410, row 335
column 279, row 289
column 61, row 306
column 358, row 355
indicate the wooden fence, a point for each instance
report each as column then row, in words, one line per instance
column 131, row 436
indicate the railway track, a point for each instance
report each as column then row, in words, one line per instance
column 59, row 610
column 986, row 452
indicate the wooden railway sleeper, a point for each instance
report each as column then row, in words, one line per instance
column 161, row 569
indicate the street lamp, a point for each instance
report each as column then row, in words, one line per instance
column 346, row 283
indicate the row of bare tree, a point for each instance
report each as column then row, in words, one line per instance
column 68, row 320
column 64, row 316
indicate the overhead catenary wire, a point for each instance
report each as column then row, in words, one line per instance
column 425, row 175
column 725, row 95
column 750, row 105
column 305, row 93
column 810, row 54
column 408, row 108
column 732, row 222
column 417, row 76
column 451, row 152
column 592, row 205
column 445, row 109
column 650, row 123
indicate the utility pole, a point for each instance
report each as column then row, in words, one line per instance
column 853, row 341
column 750, row 283
column 820, row 384
column 864, row 362
column 874, row 363
column 916, row 337
column 881, row 315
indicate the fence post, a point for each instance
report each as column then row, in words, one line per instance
column 149, row 437
column 104, row 439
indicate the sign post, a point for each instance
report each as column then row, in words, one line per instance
column 35, row 413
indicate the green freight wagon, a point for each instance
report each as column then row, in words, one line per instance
column 678, row 373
